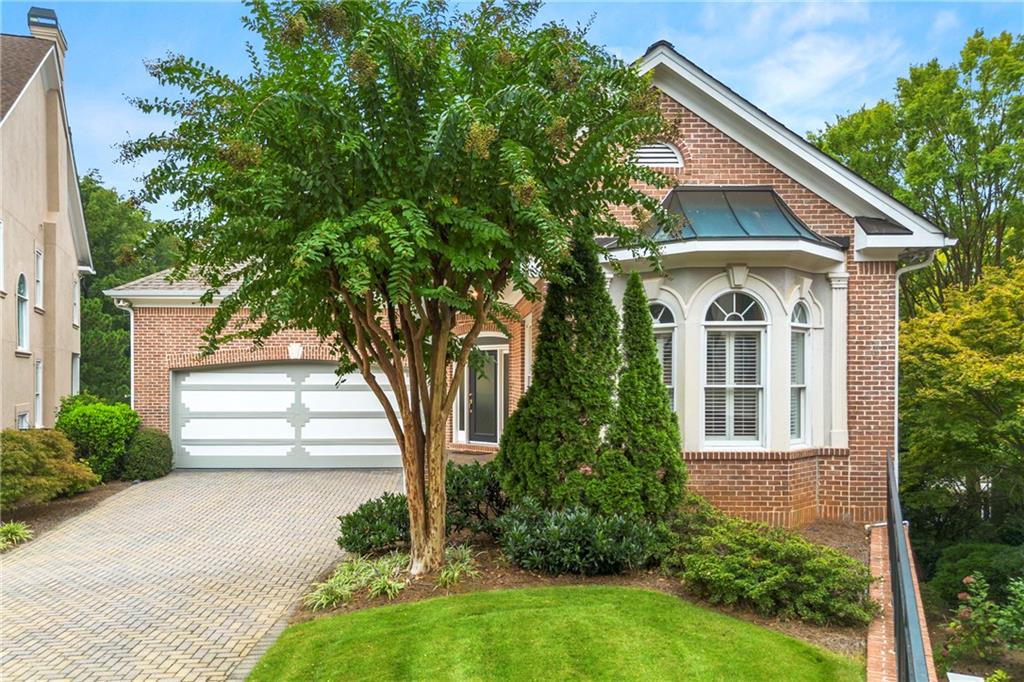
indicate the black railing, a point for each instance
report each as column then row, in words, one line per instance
column 911, row 664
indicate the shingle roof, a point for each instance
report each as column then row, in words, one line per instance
column 20, row 56
column 158, row 283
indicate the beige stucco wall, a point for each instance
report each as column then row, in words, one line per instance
column 34, row 200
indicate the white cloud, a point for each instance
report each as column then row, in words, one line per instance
column 820, row 66
column 944, row 20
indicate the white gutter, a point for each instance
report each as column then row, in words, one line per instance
column 126, row 305
column 896, row 377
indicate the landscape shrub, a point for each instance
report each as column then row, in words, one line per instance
column 774, row 571
column 381, row 525
column 644, row 433
column 997, row 562
column 14, row 533
column 459, row 563
column 75, row 400
column 39, row 465
column 149, row 455
column 981, row 628
column 380, row 576
column 550, row 445
column 100, row 433
column 577, row 540
column 376, row 526
column 475, row 499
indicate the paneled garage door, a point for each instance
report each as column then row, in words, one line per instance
column 287, row 415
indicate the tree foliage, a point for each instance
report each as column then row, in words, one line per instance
column 950, row 145
column 126, row 244
column 645, row 430
column 962, row 403
column 385, row 166
column 551, row 444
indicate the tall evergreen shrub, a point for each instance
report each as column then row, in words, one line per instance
column 551, row 444
column 644, row 434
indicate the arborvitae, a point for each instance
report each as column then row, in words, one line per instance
column 551, row 443
column 645, row 431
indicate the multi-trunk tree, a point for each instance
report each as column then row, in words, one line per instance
column 386, row 167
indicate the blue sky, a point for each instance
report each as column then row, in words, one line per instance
column 804, row 63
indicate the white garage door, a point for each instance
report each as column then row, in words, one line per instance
column 287, row 415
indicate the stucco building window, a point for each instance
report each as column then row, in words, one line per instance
column 22, row 312
column 664, row 338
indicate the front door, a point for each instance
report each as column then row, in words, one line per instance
column 483, row 400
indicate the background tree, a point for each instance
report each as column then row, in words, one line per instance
column 551, row 443
column 645, row 431
column 963, row 393
column 126, row 244
column 951, row 146
column 387, row 166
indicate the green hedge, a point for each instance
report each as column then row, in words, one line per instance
column 772, row 570
column 149, row 455
column 39, row 465
column 577, row 540
column 100, row 433
column 997, row 562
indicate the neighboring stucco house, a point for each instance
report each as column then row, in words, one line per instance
column 776, row 323
column 44, row 247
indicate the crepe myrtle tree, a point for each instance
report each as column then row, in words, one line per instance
column 385, row 167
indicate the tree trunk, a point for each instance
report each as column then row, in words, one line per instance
column 427, row 505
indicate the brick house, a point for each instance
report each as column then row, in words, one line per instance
column 775, row 318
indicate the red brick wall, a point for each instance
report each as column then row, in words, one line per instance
column 167, row 339
column 785, row 488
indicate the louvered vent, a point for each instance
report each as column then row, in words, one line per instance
column 661, row 155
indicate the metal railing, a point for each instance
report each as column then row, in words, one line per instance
column 911, row 664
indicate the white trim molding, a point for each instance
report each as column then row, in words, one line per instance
column 839, row 435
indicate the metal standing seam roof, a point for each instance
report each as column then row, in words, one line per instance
column 734, row 213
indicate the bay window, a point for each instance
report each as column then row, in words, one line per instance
column 800, row 328
column 664, row 332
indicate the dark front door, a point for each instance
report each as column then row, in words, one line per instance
column 483, row 400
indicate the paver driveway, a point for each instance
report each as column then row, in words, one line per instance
column 187, row 577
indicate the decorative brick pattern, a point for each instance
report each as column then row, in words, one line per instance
column 186, row 578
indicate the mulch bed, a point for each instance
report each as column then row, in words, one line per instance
column 496, row 573
column 47, row 516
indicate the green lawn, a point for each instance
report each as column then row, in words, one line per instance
column 578, row 633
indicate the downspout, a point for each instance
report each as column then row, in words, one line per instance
column 896, row 376
column 126, row 305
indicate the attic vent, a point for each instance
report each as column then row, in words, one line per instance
column 660, row 154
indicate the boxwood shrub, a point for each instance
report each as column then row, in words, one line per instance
column 149, row 455
column 39, row 465
column 100, row 433
column 576, row 540
column 771, row 570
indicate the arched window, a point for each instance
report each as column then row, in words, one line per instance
column 664, row 337
column 734, row 373
column 659, row 155
column 800, row 324
column 22, row 312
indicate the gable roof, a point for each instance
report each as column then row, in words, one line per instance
column 158, row 285
column 709, row 98
column 20, row 58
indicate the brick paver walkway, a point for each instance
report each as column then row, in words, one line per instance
column 187, row 577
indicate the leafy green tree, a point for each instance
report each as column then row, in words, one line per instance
column 385, row 167
column 126, row 244
column 645, row 431
column 551, row 444
column 962, row 401
column 951, row 146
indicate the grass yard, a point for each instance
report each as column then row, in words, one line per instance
column 579, row 633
